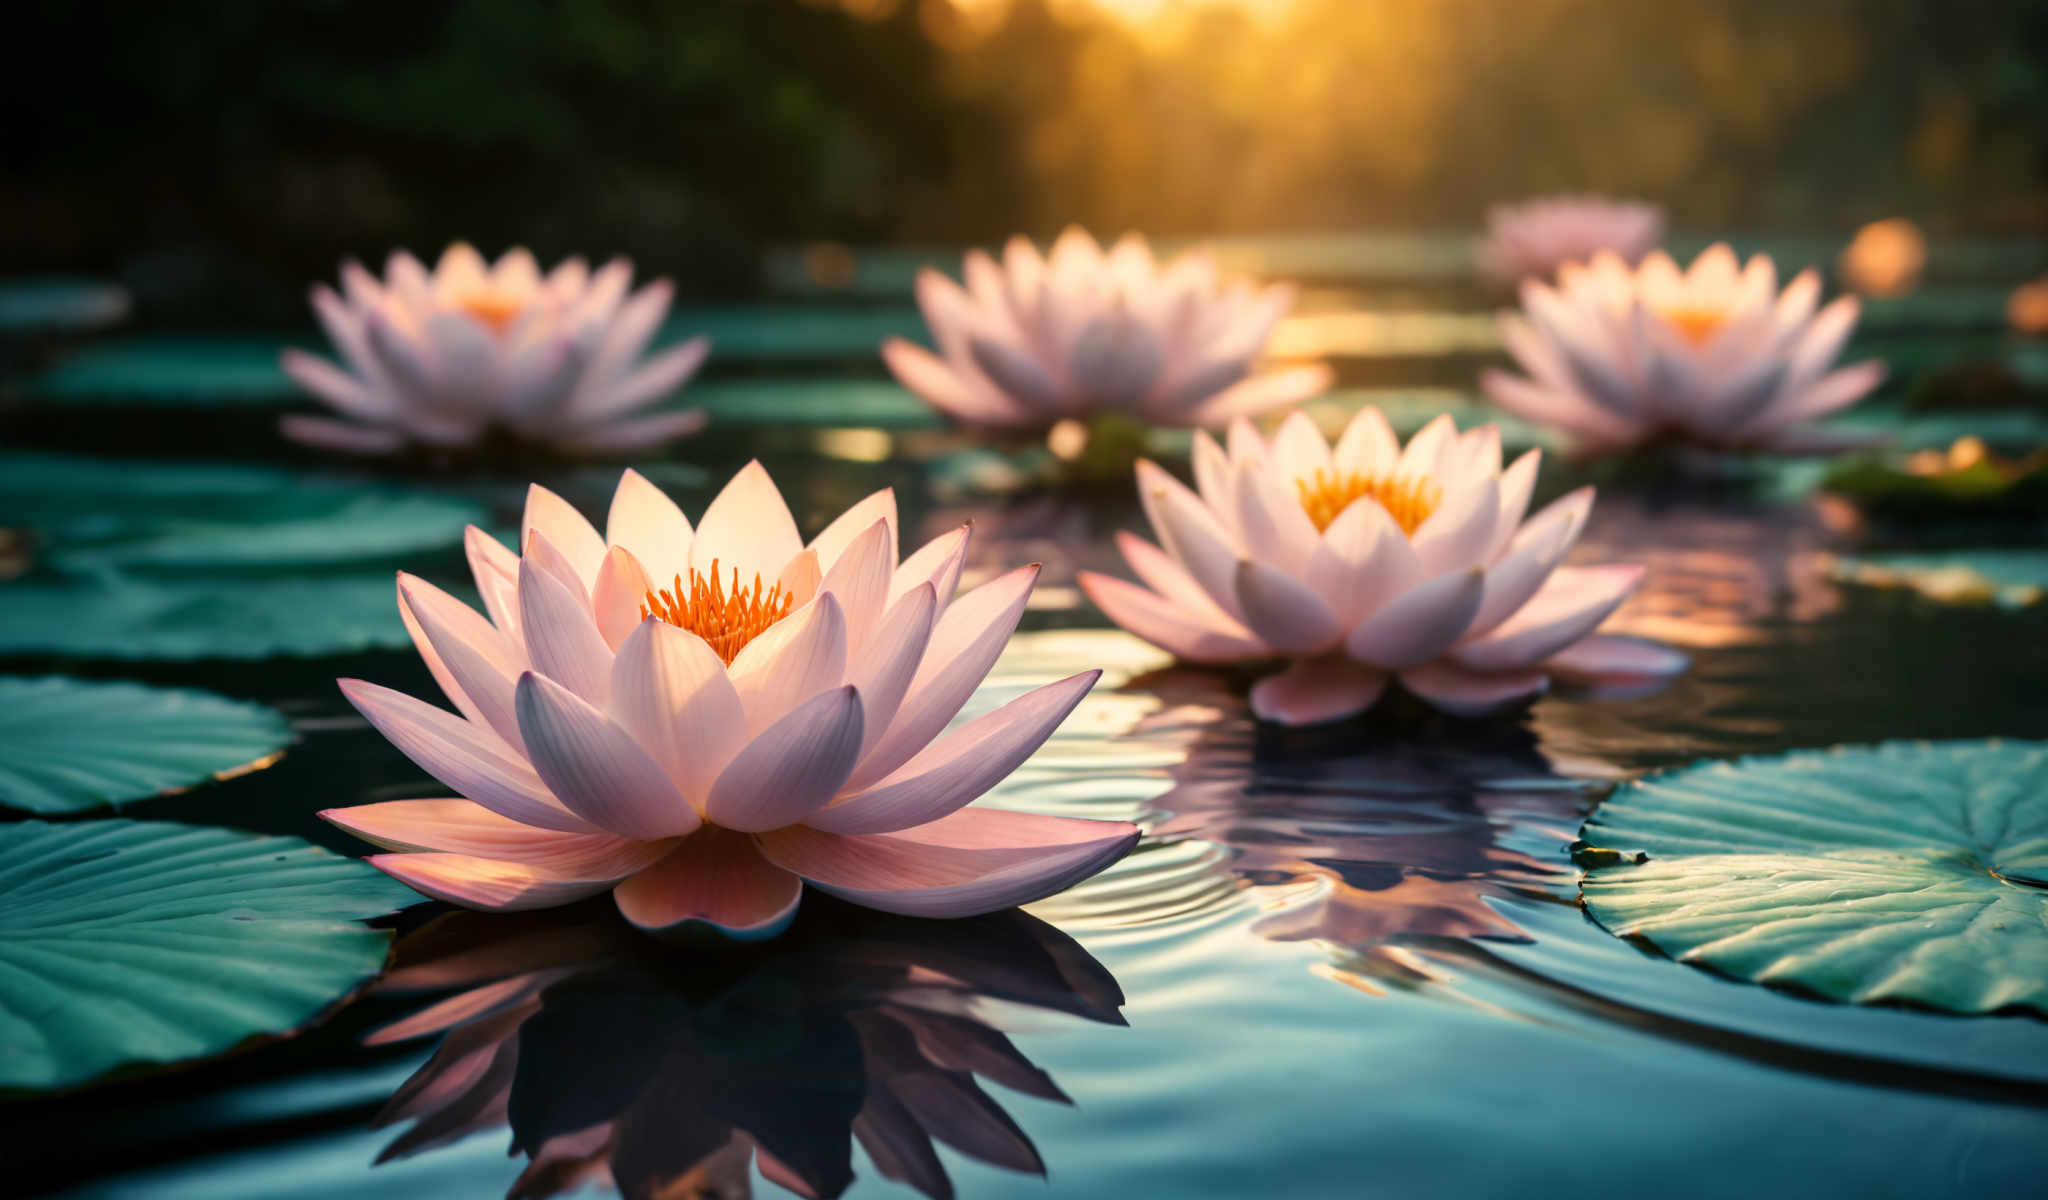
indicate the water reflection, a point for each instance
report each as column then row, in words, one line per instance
column 1371, row 836
column 1782, row 656
column 1717, row 569
column 612, row 1062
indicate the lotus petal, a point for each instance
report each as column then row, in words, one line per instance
column 974, row 861
column 951, row 772
column 716, row 878
column 1315, row 690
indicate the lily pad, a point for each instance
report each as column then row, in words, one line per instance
column 129, row 942
column 237, row 617
column 158, row 560
column 2006, row 578
column 1892, row 489
column 179, row 370
column 88, row 513
column 70, row 744
column 1908, row 872
column 53, row 304
column 810, row 402
column 170, row 370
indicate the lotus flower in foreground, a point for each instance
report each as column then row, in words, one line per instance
column 474, row 349
column 1534, row 239
column 1368, row 562
column 1715, row 355
column 1080, row 333
column 703, row 721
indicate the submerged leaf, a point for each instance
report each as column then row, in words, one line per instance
column 126, row 942
column 70, row 744
column 1910, row 872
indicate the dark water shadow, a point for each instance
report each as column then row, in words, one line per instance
column 611, row 1059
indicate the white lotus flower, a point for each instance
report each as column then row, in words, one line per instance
column 1533, row 239
column 1368, row 562
column 475, row 349
column 1080, row 333
column 1716, row 355
column 704, row 748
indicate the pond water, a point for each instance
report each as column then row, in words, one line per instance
column 1344, row 961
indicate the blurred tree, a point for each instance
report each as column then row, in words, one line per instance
column 236, row 149
column 187, row 142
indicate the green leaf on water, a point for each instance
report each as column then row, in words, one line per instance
column 143, row 560
column 71, row 744
column 171, row 370
column 1907, row 872
column 2005, row 578
column 87, row 513
column 238, row 617
column 135, row 942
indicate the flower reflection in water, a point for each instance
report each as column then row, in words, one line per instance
column 1377, row 839
column 612, row 1061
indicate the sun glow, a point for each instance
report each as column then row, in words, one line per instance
column 1138, row 12
column 726, row 619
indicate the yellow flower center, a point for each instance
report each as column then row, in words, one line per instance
column 1695, row 323
column 1408, row 500
column 495, row 307
column 726, row 619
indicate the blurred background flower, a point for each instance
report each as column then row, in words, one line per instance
column 1714, row 356
column 1533, row 239
column 477, row 350
column 1085, row 333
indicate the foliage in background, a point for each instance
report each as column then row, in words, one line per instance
column 181, row 145
column 236, row 150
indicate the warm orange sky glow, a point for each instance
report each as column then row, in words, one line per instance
column 1141, row 11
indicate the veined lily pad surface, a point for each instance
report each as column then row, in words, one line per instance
column 129, row 942
column 70, row 744
column 1906, row 872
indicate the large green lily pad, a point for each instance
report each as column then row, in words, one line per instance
column 87, row 513
column 129, row 942
column 141, row 560
column 1909, row 872
column 71, row 744
column 236, row 617
column 171, row 370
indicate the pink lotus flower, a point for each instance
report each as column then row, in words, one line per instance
column 1368, row 562
column 446, row 359
column 1717, row 355
column 1081, row 333
column 773, row 714
column 1532, row 240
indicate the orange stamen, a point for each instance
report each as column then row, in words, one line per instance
column 1694, row 324
column 726, row 620
column 1408, row 500
column 495, row 308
